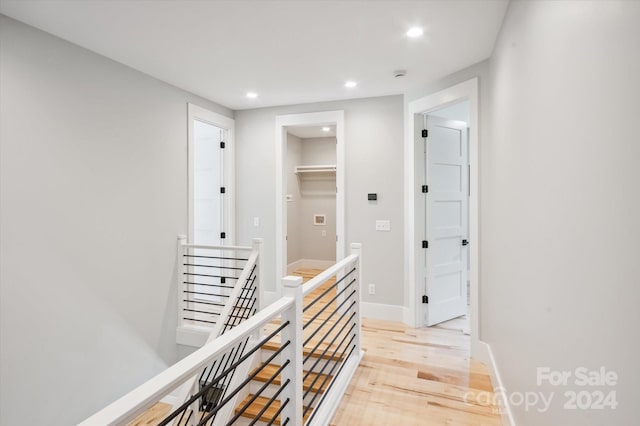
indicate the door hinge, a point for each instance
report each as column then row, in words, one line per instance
column 425, row 189
column 425, row 244
column 425, row 299
column 222, row 145
column 465, row 242
column 223, row 280
column 223, row 190
column 425, row 133
column 223, row 235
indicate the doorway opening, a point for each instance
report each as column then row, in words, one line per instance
column 211, row 195
column 311, row 197
column 447, row 259
column 444, row 216
column 310, row 189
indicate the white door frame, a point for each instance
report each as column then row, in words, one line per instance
column 195, row 112
column 467, row 90
column 307, row 119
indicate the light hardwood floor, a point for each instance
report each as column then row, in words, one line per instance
column 416, row 377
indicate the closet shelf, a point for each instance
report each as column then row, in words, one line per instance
column 317, row 180
column 316, row 169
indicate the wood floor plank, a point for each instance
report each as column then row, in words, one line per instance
column 152, row 416
column 317, row 382
column 258, row 404
column 416, row 377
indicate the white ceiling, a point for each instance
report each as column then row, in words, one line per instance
column 287, row 51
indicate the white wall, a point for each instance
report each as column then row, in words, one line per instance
column 318, row 197
column 560, row 269
column 93, row 178
column 373, row 141
column 319, row 151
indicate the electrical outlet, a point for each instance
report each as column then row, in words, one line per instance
column 256, row 221
column 372, row 289
column 383, row 225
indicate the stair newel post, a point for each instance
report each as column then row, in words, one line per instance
column 258, row 245
column 356, row 248
column 180, row 270
column 292, row 287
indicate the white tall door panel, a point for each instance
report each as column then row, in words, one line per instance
column 446, row 220
column 208, row 202
column 208, row 210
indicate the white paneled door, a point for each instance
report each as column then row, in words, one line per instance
column 208, row 179
column 447, row 209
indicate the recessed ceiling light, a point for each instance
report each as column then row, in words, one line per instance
column 326, row 129
column 415, row 32
column 350, row 84
column 252, row 95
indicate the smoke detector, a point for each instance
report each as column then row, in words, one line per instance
column 399, row 73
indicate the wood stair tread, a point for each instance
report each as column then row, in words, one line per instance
column 256, row 406
column 274, row 346
column 270, row 369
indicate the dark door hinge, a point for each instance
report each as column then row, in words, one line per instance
column 425, row 189
column 222, row 145
column 465, row 242
column 223, row 235
column 425, row 299
column 425, row 133
column 425, row 244
column 223, row 190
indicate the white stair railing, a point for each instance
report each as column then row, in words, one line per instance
column 286, row 341
column 332, row 327
column 208, row 276
column 241, row 302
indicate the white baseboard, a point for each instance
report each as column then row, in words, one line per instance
column 383, row 312
column 310, row 263
column 484, row 354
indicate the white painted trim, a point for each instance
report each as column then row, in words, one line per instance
column 170, row 399
column 329, row 406
column 309, row 264
column 270, row 297
column 467, row 90
column 384, row 312
column 192, row 336
column 485, row 355
column 228, row 124
column 308, row 119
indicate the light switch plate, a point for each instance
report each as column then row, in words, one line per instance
column 383, row 225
